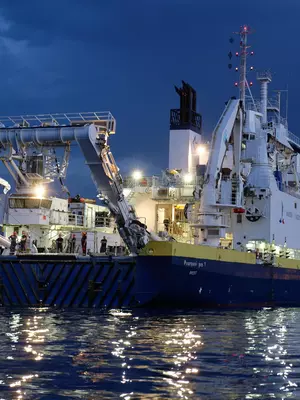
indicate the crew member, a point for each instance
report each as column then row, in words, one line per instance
column 13, row 243
column 23, row 242
column 83, row 243
column 167, row 224
column 103, row 245
column 59, row 244
column 72, row 244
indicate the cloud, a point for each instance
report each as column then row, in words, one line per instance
column 4, row 24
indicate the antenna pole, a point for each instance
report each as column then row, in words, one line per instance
column 287, row 102
column 243, row 66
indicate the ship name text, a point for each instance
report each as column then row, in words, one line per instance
column 194, row 264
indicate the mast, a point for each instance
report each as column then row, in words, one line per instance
column 244, row 31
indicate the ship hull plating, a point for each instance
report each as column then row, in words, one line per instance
column 67, row 281
column 180, row 281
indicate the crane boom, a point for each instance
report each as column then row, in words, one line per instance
column 92, row 137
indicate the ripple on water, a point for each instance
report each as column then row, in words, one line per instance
column 49, row 354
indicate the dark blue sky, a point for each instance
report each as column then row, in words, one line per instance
column 126, row 55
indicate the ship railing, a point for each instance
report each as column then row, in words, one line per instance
column 130, row 182
column 184, row 193
column 255, row 104
column 103, row 222
column 252, row 104
column 293, row 138
column 283, row 121
column 273, row 104
column 162, row 181
column 97, row 222
column 276, row 120
column 264, row 75
column 178, row 228
column 223, row 220
column 291, row 191
column 175, row 181
column 75, row 219
column 101, row 118
column 182, row 119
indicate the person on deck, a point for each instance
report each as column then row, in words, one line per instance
column 167, row 224
column 72, row 244
column 83, row 243
column 13, row 243
column 59, row 244
column 23, row 242
column 103, row 245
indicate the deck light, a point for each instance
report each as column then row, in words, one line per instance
column 137, row 175
column 200, row 149
column 39, row 191
column 188, row 178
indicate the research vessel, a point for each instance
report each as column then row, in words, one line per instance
column 218, row 228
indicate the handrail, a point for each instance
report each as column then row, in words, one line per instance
column 58, row 119
column 293, row 138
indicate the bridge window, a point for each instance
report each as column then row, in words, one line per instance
column 46, row 203
column 213, row 232
column 29, row 203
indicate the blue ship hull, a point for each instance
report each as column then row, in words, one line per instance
column 179, row 281
column 165, row 278
column 67, row 281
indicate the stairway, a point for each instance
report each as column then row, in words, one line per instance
column 234, row 186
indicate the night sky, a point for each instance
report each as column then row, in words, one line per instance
column 126, row 55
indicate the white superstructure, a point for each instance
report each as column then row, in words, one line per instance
column 246, row 195
column 261, row 182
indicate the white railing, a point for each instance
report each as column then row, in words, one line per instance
column 59, row 119
column 273, row 103
column 161, row 181
column 75, row 219
column 253, row 105
column 264, row 75
column 221, row 220
column 97, row 222
column 129, row 182
column 293, row 138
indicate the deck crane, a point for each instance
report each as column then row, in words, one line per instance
column 20, row 135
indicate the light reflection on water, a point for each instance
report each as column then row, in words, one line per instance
column 48, row 354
